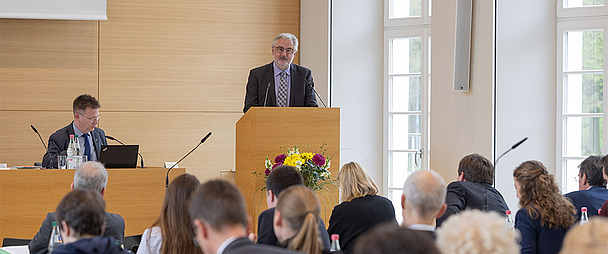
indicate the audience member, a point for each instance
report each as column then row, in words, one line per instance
column 85, row 109
column 545, row 215
column 604, row 163
column 477, row 232
column 296, row 220
column 592, row 191
column 423, row 200
column 279, row 179
column 473, row 188
column 92, row 176
column 81, row 218
column 172, row 232
column 360, row 209
column 590, row 238
column 391, row 238
column 218, row 212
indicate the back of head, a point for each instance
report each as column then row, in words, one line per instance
column 282, row 177
column 425, row 192
column 604, row 163
column 593, row 169
column 220, row 204
column 539, row 193
column 83, row 211
column 355, row 182
column 587, row 239
column 176, row 226
column 91, row 175
column 477, row 169
column 475, row 231
column 84, row 101
column 300, row 207
column 391, row 238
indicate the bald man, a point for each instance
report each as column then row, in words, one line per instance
column 423, row 200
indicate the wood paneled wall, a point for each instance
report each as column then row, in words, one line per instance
column 165, row 72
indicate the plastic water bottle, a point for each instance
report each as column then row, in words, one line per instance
column 55, row 239
column 584, row 217
column 335, row 242
column 510, row 224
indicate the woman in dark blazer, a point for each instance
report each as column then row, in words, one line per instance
column 545, row 215
column 360, row 208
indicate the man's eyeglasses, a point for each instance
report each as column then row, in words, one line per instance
column 91, row 118
column 281, row 49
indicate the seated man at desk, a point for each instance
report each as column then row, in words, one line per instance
column 86, row 117
column 93, row 176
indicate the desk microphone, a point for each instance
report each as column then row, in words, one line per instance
column 36, row 131
column 169, row 170
column 512, row 147
column 141, row 161
column 266, row 97
column 313, row 89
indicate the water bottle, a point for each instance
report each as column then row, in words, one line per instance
column 71, row 147
column 335, row 242
column 55, row 239
column 584, row 217
column 510, row 224
column 77, row 145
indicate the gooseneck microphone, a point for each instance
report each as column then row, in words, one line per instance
column 512, row 147
column 313, row 89
column 141, row 158
column 266, row 97
column 169, row 170
column 36, row 131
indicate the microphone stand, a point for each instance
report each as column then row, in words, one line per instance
column 141, row 158
column 172, row 166
column 503, row 154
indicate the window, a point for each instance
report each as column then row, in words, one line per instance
column 406, row 97
column 581, row 97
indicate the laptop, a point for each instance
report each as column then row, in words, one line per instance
column 119, row 156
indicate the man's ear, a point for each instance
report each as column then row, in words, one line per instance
column 200, row 229
column 272, row 196
column 403, row 201
column 444, row 208
column 66, row 230
column 103, row 191
column 72, row 186
column 584, row 179
column 277, row 219
column 461, row 177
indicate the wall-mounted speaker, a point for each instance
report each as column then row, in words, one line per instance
column 462, row 45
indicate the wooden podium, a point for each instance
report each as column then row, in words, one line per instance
column 262, row 132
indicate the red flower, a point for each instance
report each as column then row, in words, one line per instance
column 280, row 158
column 318, row 159
column 267, row 172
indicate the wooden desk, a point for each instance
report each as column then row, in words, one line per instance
column 26, row 196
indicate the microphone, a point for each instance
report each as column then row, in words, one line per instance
column 313, row 89
column 169, row 170
column 512, row 147
column 141, row 158
column 36, row 131
column 266, row 97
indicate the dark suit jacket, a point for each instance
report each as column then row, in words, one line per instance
column 266, row 231
column 537, row 239
column 115, row 227
column 351, row 219
column 301, row 94
column 59, row 141
column 244, row 246
column 593, row 198
column 463, row 195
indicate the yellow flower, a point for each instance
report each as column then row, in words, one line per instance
column 307, row 156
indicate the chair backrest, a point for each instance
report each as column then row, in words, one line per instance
column 131, row 241
column 14, row 242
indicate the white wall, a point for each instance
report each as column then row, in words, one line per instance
column 461, row 122
column 525, row 88
column 314, row 43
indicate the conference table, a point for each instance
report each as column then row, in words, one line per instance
column 27, row 195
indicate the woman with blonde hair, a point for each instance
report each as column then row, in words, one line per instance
column 545, row 215
column 173, row 230
column 296, row 220
column 360, row 209
column 587, row 239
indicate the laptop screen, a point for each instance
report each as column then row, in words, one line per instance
column 119, row 156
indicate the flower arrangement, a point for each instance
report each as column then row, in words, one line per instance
column 314, row 166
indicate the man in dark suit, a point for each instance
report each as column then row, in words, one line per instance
column 281, row 83
column 86, row 117
column 423, row 200
column 279, row 179
column 218, row 212
column 92, row 176
column 473, row 188
column 592, row 191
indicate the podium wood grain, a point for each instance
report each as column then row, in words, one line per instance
column 26, row 196
column 262, row 131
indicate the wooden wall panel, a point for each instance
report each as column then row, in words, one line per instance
column 167, row 136
column 187, row 55
column 44, row 64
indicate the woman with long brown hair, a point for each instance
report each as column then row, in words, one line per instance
column 545, row 215
column 296, row 220
column 172, row 232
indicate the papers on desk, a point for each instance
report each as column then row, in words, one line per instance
column 15, row 250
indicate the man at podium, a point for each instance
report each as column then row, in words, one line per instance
column 281, row 83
